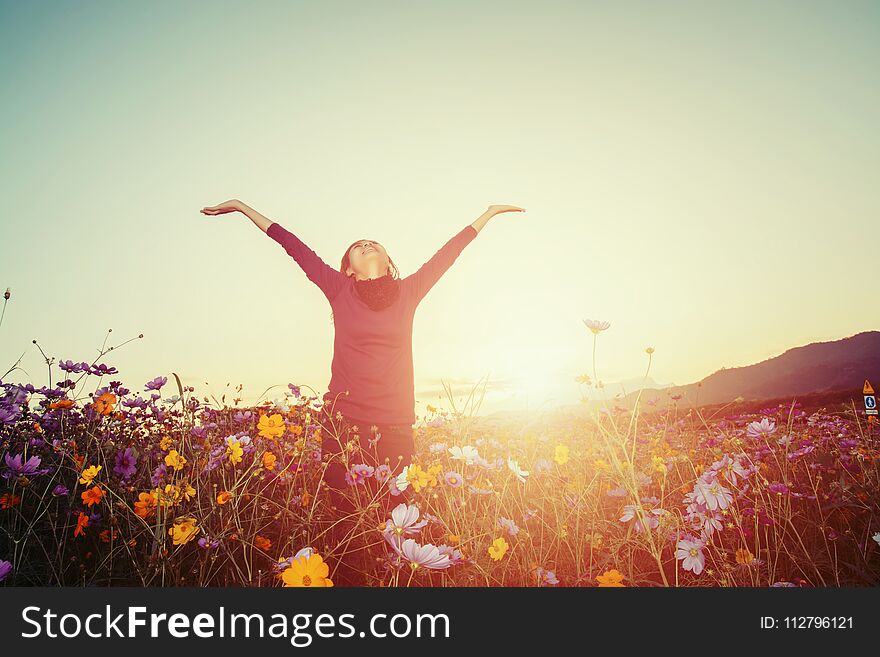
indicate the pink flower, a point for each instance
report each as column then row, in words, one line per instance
column 712, row 494
column 761, row 429
column 427, row 556
column 691, row 551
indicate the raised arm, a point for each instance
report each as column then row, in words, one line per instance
column 329, row 280
column 429, row 273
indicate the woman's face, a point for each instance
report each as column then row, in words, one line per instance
column 368, row 259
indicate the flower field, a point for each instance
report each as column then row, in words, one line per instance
column 148, row 488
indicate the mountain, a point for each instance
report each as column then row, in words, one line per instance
column 818, row 367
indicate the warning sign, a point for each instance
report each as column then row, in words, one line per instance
column 870, row 399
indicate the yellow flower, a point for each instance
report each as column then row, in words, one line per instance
column 417, row 477
column 187, row 490
column 307, row 572
column 498, row 548
column 235, row 452
column 184, row 530
column 271, row 426
column 744, row 556
column 601, row 464
column 89, row 473
column 165, row 443
column 175, row 460
column 658, row 464
column 269, row 460
column 561, row 454
column 610, row 578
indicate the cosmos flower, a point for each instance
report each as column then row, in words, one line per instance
column 498, row 548
column 690, row 551
column 5, row 569
column 515, row 469
column 560, row 454
column 404, row 521
column 358, row 474
column 308, row 571
column 596, row 326
column 453, row 479
column 712, row 494
column 509, row 525
column 126, row 463
column 271, row 426
column 16, row 467
column 424, row 556
column 183, row 530
column 468, row 454
column 761, row 429
column 610, row 579
column 546, row 577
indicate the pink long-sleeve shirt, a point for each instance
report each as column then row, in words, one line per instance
column 372, row 349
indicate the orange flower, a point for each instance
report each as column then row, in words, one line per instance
column 146, row 505
column 105, row 535
column 92, row 495
column 610, row 578
column 62, row 403
column 223, row 497
column 262, row 542
column 105, row 403
column 271, row 426
column 81, row 523
column 269, row 460
column 9, row 500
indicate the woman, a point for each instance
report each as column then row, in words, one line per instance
column 371, row 395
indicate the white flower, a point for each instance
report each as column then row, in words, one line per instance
column 468, row 454
column 427, row 555
column 514, row 468
column 876, row 538
column 402, row 482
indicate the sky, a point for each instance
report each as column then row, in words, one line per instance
column 701, row 175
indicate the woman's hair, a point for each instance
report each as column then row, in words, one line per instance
column 346, row 262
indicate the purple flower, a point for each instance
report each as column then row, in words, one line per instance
column 382, row 473
column 509, row 525
column 358, row 474
column 208, row 543
column 157, row 383
column 5, row 569
column 778, row 488
column 60, row 490
column 453, row 479
column 126, row 463
column 159, row 474
column 295, row 390
column 16, row 468
column 546, row 577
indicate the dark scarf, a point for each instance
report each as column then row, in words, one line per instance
column 378, row 293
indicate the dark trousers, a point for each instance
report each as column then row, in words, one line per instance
column 376, row 444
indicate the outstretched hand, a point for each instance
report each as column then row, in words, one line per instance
column 498, row 209
column 233, row 205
